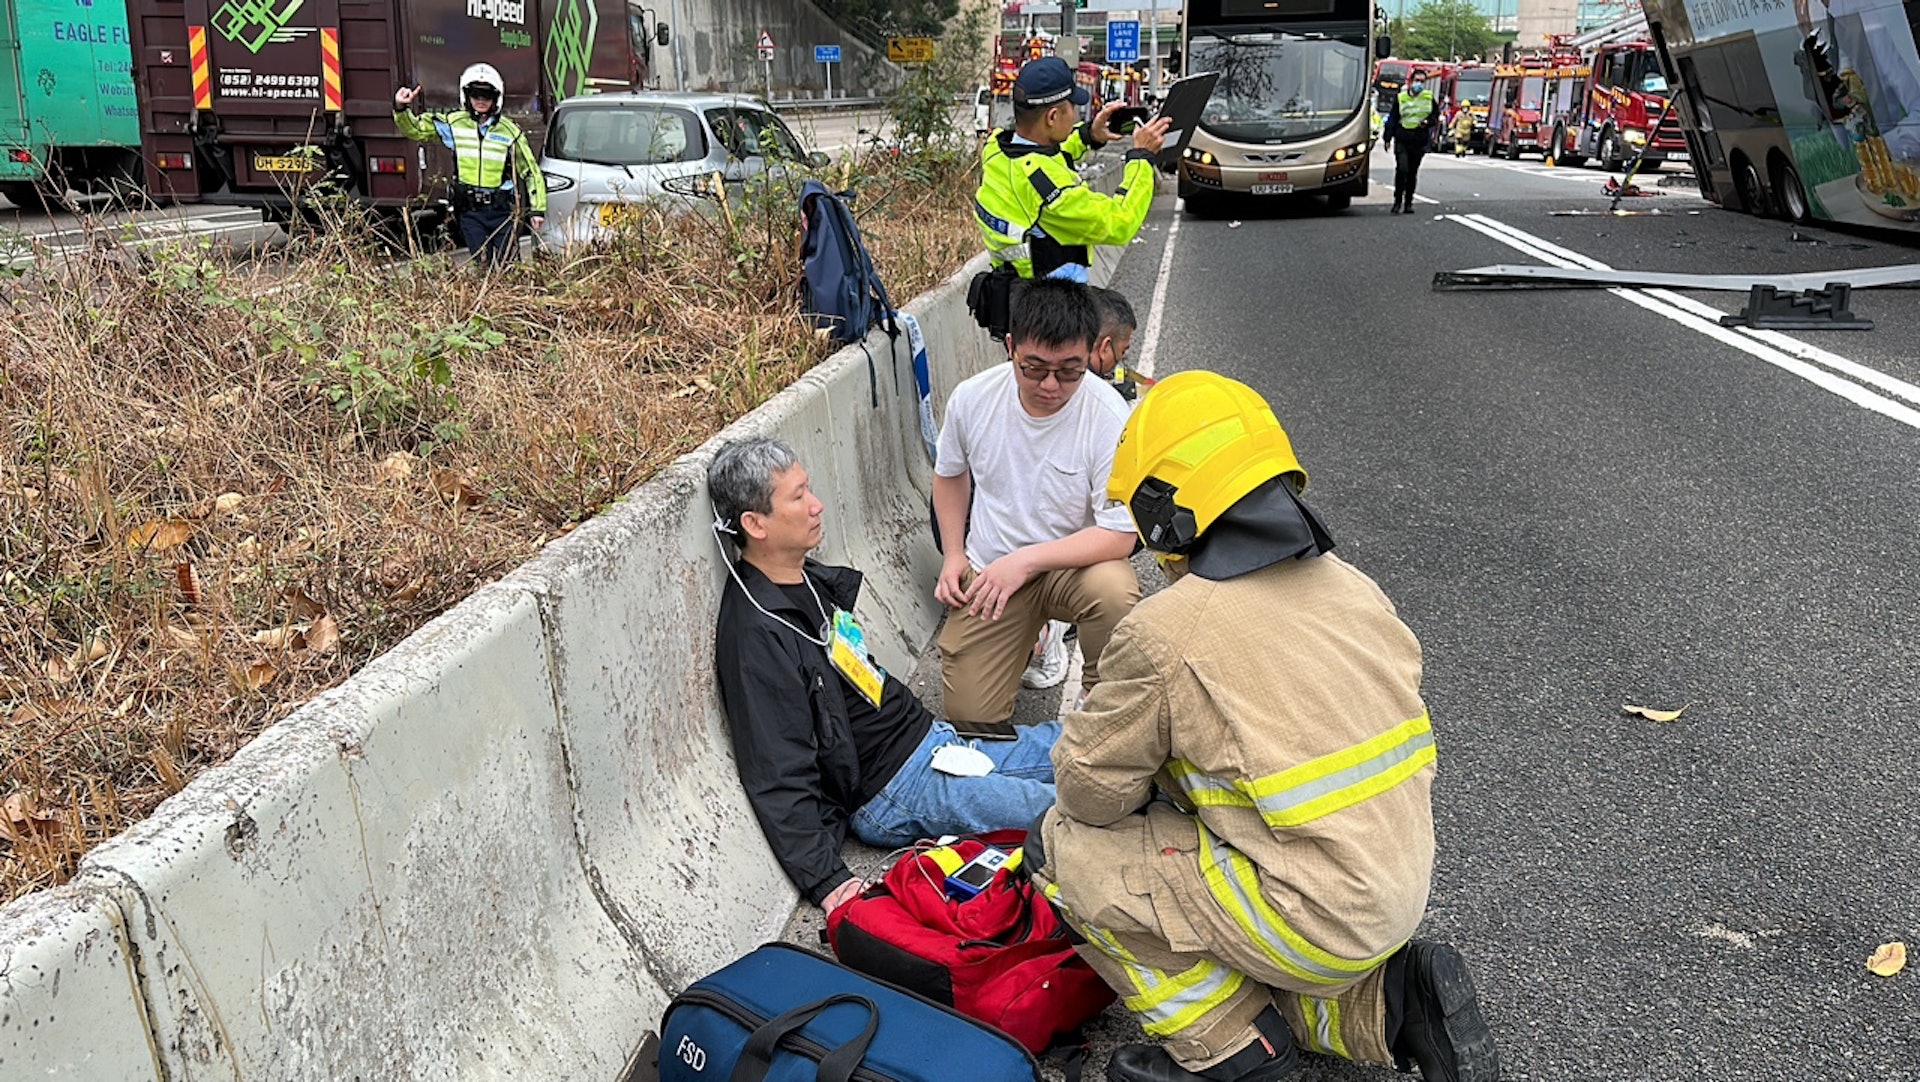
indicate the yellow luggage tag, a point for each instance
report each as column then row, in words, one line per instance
column 847, row 649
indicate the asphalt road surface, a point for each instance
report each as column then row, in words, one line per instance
column 1581, row 500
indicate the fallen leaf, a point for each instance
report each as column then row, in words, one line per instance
column 260, row 674
column 409, row 591
column 93, row 649
column 1654, row 715
column 323, row 636
column 686, row 392
column 182, row 638
column 225, row 400
column 248, row 550
column 280, row 638
column 59, row 670
column 304, row 607
column 188, row 579
column 1891, row 958
column 228, row 502
column 159, row 535
column 704, row 384
column 397, row 466
column 25, row 819
column 456, row 487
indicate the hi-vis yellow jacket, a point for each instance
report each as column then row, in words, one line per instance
column 1036, row 213
column 1281, row 711
column 493, row 155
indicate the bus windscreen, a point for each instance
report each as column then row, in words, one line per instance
column 1240, row 9
column 1279, row 87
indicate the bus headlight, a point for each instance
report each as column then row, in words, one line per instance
column 1635, row 136
column 1354, row 151
column 1202, row 156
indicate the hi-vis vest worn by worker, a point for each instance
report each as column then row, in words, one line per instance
column 1036, row 213
column 490, row 155
column 1415, row 109
column 1284, row 709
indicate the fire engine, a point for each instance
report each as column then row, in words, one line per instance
column 1625, row 99
column 1525, row 98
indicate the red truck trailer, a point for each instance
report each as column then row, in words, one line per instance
column 253, row 102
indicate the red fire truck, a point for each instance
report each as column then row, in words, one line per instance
column 1524, row 99
column 1625, row 97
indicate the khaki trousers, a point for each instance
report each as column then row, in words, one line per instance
column 1181, row 966
column 981, row 660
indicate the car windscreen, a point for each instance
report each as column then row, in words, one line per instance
column 626, row 134
column 747, row 133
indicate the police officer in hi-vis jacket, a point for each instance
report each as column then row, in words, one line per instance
column 1034, row 211
column 495, row 167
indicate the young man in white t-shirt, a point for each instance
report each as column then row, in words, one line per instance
column 1020, row 492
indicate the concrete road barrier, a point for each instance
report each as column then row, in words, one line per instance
column 501, row 847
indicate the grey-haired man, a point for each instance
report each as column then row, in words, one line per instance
column 826, row 741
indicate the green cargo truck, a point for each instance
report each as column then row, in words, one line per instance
column 67, row 111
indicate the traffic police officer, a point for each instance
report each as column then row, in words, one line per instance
column 1035, row 213
column 1409, row 127
column 1244, row 830
column 494, row 163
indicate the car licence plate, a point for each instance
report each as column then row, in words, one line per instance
column 1676, row 155
column 264, row 163
column 616, row 215
column 1273, row 189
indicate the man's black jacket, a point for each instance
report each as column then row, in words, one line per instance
column 792, row 736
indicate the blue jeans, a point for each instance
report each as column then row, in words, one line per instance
column 921, row 802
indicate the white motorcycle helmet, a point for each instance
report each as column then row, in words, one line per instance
column 482, row 76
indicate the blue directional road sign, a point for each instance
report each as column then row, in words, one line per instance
column 1123, row 41
column 830, row 54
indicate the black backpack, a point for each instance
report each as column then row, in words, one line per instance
column 839, row 287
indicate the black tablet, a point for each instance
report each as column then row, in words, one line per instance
column 1186, row 100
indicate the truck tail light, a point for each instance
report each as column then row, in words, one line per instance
column 173, row 161
column 388, row 165
column 21, row 155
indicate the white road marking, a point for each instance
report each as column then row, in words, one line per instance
column 1774, row 348
column 1418, row 198
column 1159, row 303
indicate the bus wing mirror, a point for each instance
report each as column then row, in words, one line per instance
column 1382, row 47
column 661, row 34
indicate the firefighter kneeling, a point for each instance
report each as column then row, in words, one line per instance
column 1268, row 892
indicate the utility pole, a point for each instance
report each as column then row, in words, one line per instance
column 1153, row 37
column 1069, row 47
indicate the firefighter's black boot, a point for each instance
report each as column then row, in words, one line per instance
column 1441, row 1030
column 1269, row 1059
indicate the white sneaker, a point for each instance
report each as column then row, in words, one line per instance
column 1049, row 667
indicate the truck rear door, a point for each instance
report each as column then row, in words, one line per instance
column 13, row 111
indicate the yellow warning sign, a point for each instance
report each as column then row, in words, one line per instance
column 909, row 50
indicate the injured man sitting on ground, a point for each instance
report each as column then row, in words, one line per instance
column 825, row 740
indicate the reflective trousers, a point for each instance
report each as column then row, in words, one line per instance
column 1181, row 963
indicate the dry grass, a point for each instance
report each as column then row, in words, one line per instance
column 226, row 486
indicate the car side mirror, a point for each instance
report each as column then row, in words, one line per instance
column 661, row 34
column 1383, row 47
column 819, row 160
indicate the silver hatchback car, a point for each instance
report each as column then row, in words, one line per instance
column 607, row 153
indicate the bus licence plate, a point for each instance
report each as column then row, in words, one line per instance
column 1676, row 155
column 263, row 163
column 1273, row 189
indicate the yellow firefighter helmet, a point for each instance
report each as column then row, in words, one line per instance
column 1197, row 443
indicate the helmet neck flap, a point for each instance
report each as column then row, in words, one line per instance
column 1262, row 528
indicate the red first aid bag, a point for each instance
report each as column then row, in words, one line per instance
column 1000, row 957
